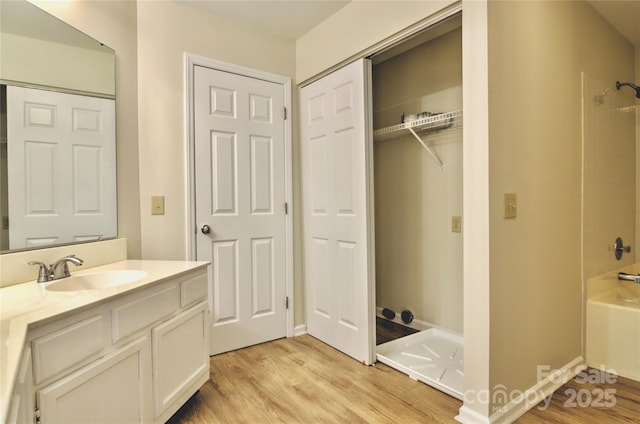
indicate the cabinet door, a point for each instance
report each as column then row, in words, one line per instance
column 108, row 390
column 21, row 411
column 180, row 359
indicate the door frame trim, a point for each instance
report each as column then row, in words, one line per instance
column 190, row 62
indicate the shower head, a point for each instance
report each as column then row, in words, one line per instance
column 635, row 87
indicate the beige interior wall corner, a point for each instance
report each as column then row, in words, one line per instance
column 535, row 151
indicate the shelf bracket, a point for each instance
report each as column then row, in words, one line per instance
column 427, row 148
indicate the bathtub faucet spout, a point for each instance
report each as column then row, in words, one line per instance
column 623, row 276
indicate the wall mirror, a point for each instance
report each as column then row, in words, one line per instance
column 57, row 132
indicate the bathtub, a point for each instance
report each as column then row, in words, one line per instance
column 613, row 324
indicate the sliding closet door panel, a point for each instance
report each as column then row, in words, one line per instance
column 337, row 209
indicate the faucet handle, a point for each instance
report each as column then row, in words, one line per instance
column 43, row 272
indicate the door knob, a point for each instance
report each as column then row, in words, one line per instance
column 205, row 229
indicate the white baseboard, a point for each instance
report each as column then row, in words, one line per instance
column 538, row 392
column 300, row 330
column 467, row 415
column 528, row 399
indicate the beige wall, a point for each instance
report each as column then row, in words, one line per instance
column 166, row 30
column 537, row 51
column 56, row 65
column 418, row 258
column 114, row 23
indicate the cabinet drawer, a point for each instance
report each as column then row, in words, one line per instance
column 137, row 314
column 194, row 289
column 66, row 347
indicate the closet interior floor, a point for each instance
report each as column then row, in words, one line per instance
column 434, row 357
column 388, row 330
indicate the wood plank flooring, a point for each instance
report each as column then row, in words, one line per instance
column 565, row 406
column 302, row 380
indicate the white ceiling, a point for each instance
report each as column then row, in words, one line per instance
column 624, row 15
column 294, row 18
column 286, row 18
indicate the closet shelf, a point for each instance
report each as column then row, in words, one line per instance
column 421, row 127
column 442, row 121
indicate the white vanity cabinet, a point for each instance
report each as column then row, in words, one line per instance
column 21, row 408
column 110, row 390
column 133, row 358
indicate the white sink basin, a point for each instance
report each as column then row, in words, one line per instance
column 97, row 280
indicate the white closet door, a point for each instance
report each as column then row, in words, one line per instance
column 337, row 158
column 61, row 164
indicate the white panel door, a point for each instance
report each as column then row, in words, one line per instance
column 337, row 188
column 61, row 165
column 240, row 196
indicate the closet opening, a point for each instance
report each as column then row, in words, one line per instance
column 417, row 121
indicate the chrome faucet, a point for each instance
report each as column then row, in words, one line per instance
column 623, row 276
column 59, row 269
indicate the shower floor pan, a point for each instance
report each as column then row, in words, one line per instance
column 433, row 356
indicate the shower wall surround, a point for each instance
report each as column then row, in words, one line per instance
column 637, row 159
column 609, row 175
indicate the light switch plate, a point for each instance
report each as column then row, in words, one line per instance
column 510, row 205
column 456, row 224
column 157, row 205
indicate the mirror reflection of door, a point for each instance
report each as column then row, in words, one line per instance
column 61, row 167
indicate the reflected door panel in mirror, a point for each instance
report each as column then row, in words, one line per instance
column 38, row 50
column 61, row 157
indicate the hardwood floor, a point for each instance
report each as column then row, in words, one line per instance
column 302, row 380
column 624, row 399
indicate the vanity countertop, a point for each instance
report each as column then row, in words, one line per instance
column 24, row 304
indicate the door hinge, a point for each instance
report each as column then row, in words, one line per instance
column 286, row 208
column 284, row 113
column 36, row 415
column 286, row 302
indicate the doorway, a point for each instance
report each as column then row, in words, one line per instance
column 240, row 186
column 412, row 165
